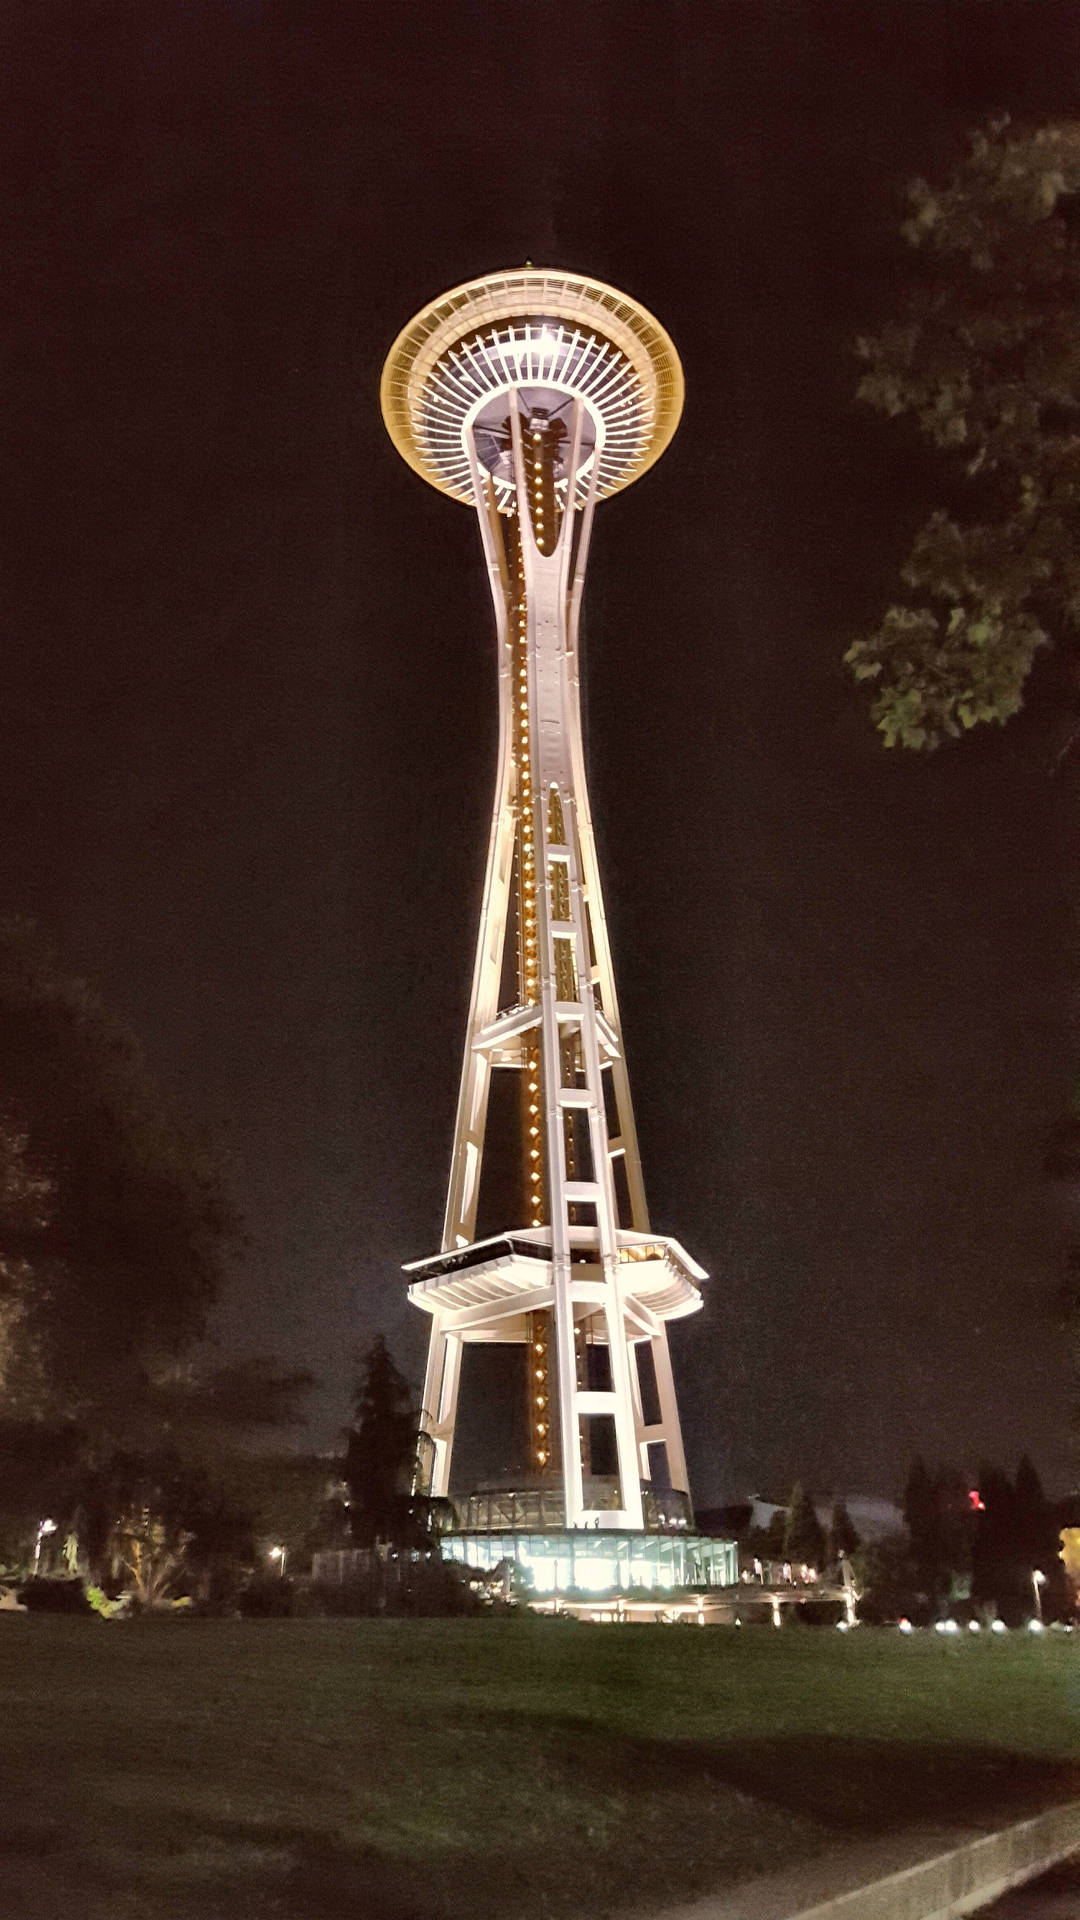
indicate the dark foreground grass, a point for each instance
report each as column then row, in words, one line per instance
column 321, row 1769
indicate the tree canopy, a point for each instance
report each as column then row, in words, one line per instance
column 804, row 1538
column 939, row 1518
column 115, row 1227
column 381, row 1450
column 983, row 360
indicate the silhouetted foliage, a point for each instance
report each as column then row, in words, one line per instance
column 1062, row 1163
column 938, row 1516
column 804, row 1540
column 268, row 1596
column 889, row 1582
column 982, row 360
column 115, row 1231
column 380, row 1454
column 1017, row 1544
column 414, row 1584
column 158, row 1525
column 55, row 1596
column 215, row 1404
column 842, row 1537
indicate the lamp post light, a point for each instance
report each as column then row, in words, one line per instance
column 1038, row 1582
column 278, row 1554
column 45, row 1527
column 851, row 1594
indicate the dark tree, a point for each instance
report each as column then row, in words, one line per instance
column 1017, row 1567
column 842, row 1537
column 804, row 1540
column 920, row 1510
column 115, row 1231
column 211, row 1410
column 1033, row 1523
column 889, row 1582
column 937, row 1513
column 157, row 1525
column 381, row 1452
column 767, row 1543
column 982, row 360
column 999, row 1578
column 1062, row 1164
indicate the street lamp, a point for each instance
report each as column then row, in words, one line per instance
column 278, row 1554
column 1038, row 1582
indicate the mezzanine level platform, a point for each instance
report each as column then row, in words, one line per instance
column 485, row 1291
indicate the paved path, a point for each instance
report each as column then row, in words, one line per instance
column 1055, row 1897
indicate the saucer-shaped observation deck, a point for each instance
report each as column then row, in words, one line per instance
column 552, row 337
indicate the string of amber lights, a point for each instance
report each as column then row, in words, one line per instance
column 528, row 947
column 539, row 447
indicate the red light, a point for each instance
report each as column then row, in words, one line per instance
column 978, row 1504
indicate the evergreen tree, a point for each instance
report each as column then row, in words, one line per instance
column 1015, row 1540
column 920, row 1519
column 919, row 1506
column 843, row 1539
column 999, row 1577
column 938, row 1519
column 381, row 1452
column 804, row 1541
column 1035, row 1533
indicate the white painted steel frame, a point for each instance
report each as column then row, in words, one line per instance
column 553, row 586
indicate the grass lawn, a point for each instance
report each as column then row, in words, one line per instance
column 192, row 1770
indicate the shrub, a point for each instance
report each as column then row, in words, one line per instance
column 428, row 1587
column 267, row 1598
column 40, row 1595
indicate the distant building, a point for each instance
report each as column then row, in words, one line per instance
column 872, row 1517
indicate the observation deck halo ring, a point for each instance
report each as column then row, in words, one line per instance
column 546, row 332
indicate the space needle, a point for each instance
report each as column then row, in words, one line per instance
column 529, row 396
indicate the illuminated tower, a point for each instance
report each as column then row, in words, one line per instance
column 529, row 396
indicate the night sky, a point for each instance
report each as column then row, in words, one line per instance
column 248, row 712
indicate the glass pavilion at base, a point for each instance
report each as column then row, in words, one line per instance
column 530, row 395
column 580, row 1560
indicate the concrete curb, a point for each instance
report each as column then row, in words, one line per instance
column 920, row 1876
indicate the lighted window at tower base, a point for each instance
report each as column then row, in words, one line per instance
column 580, row 1561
